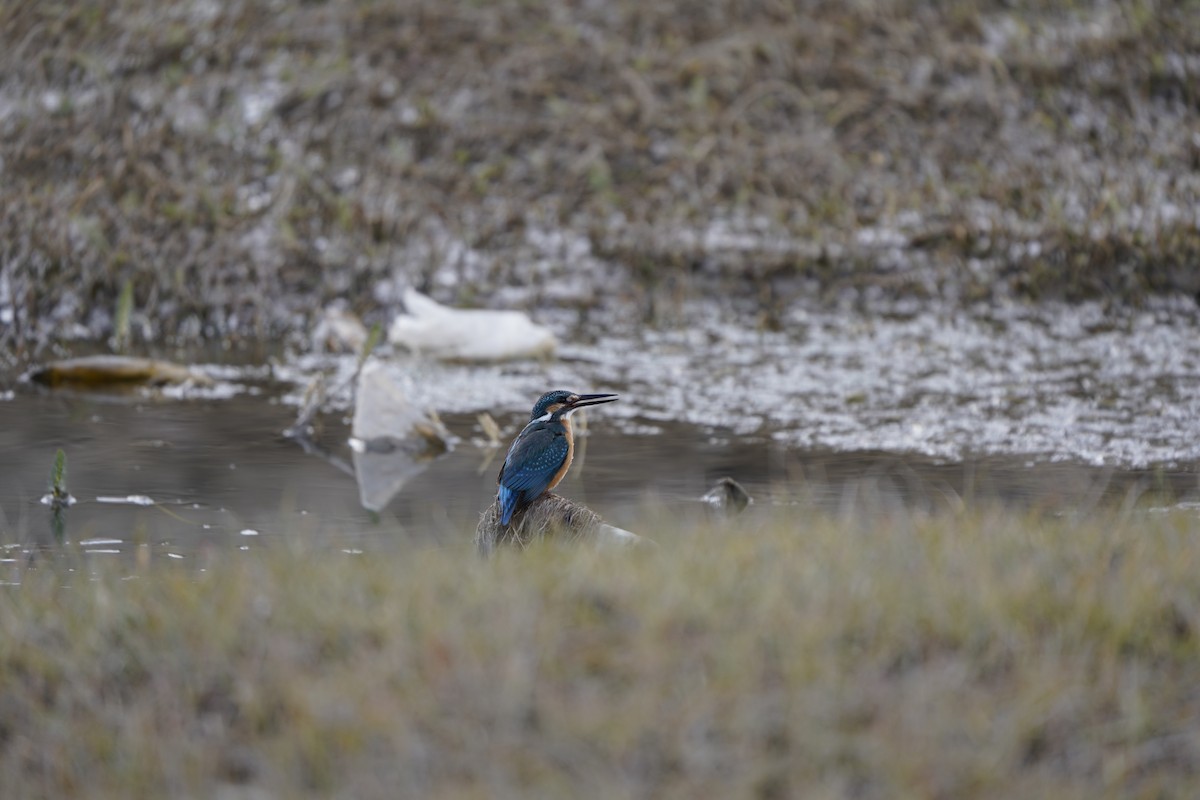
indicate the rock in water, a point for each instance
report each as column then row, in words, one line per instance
column 727, row 496
column 454, row 334
column 549, row 516
column 114, row 372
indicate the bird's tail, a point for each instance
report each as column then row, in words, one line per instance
column 508, row 504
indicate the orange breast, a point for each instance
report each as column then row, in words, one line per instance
column 566, row 465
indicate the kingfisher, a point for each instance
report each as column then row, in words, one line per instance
column 541, row 454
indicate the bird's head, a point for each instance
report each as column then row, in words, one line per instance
column 562, row 403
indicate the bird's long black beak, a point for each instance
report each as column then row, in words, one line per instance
column 593, row 400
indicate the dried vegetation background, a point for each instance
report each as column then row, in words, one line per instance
column 240, row 164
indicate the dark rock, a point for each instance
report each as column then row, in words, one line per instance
column 727, row 496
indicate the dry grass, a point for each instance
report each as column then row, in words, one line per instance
column 980, row 655
column 240, row 164
column 550, row 516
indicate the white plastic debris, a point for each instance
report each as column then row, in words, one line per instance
column 393, row 439
column 454, row 334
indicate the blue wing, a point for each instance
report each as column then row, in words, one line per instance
column 532, row 462
column 508, row 503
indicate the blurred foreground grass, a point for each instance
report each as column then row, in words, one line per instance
column 977, row 655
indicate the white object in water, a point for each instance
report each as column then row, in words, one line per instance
column 456, row 334
column 394, row 440
column 610, row 534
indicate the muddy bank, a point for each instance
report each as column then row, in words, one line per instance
column 1048, row 382
column 238, row 166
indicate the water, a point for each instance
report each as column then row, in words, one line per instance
column 221, row 477
column 1044, row 408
